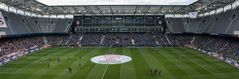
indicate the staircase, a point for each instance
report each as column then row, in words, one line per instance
column 168, row 40
column 102, row 40
column 157, row 43
column 78, row 42
column 191, row 42
column 133, row 42
column 45, row 40
column 68, row 40
column 60, row 42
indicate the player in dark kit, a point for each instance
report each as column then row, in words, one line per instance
column 59, row 60
column 48, row 64
column 79, row 64
column 159, row 72
column 155, row 71
column 69, row 69
column 48, row 59
column 68, row 60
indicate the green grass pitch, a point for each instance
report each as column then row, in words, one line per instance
column 193, row 65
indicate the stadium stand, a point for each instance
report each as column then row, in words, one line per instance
column 26, row 25
column 223, row 23
column 214, row 35
column 18, row 46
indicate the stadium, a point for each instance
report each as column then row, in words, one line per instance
column 119, row 39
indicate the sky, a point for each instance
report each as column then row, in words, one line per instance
column 116, row 2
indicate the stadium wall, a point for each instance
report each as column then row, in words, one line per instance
column 19, row 24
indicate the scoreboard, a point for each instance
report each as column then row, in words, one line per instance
column 119, row 23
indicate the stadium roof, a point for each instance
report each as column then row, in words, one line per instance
column 148, row 7
column 115, row 2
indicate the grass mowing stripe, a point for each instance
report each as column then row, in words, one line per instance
column 113, row 71
column 171, row 66
column 13, row 66
column 98, row 69
column 87, row 65
column 210, row 61
column 56, row 68
column 96, row 72
column 74, row 64
column 44, row 70
column 141, row 67
column 106, row 68
column 127, row 70
column 205, row 62
column 26, row 68
column 153, row 62
column 10, row 70
column 222, row 74
column 104, row 72
column 16, row 66
column 205, row 71
column 201, row 72
column 194, row 64
column 220, row 65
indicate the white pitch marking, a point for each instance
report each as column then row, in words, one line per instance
column 106, row 68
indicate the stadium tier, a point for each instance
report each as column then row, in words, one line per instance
column 111, row 39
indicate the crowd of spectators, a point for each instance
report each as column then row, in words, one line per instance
column 226, row 46
column 109, row 39
column 54, row 39
column 14, row 44
column 18, row 45
column 91, row 39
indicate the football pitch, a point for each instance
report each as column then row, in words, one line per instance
column 174, row 63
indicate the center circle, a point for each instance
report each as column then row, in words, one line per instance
column 111, row 59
